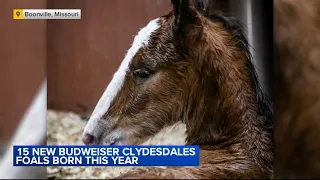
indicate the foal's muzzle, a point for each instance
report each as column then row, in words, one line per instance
column 88, row 139
column 101, row 132
column 113, row 138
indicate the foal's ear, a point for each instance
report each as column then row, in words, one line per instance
column 184, row 12
column 181, row 7
column 186, row 20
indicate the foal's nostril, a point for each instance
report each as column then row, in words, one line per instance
column 87, row 139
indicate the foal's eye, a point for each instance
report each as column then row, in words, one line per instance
column 141, row 73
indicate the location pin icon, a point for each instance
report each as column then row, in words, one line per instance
column 18, row 13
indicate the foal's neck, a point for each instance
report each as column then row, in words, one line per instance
column 228, row 114
column 225, row 118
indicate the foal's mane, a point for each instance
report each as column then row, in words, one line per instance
column 237, row 29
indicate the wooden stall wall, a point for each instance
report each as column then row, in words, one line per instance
column 84, row 54
column 22, row 63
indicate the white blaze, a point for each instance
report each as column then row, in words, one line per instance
column 117, row 81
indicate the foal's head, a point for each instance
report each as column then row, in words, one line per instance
column 188, row 66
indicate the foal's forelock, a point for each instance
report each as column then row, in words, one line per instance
column 97, row 124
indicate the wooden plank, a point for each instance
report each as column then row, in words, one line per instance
column 23, row 63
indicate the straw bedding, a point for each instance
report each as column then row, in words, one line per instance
column 65, row 128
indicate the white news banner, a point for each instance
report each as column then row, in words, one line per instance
column 47, row 14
